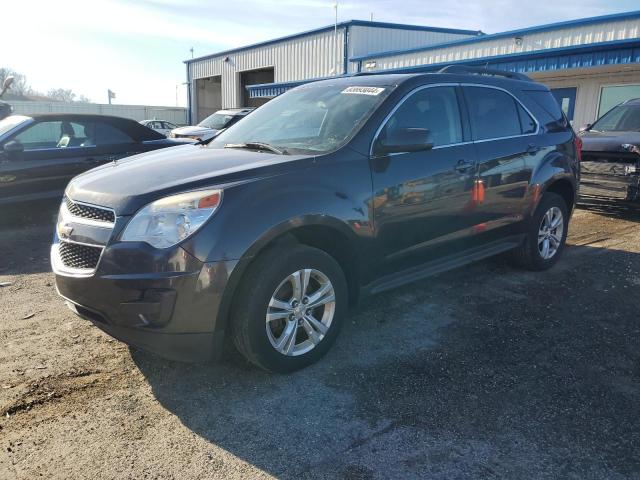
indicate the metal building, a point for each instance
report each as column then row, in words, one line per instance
column 590, row 64
column 221, row 80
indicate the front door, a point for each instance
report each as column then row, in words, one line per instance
column 421, row 198
column 52, row 153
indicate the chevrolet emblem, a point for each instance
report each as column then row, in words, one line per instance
column 64, row 230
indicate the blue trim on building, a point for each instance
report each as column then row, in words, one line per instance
column 362, row 23
column 511, row 33
column 619, row 52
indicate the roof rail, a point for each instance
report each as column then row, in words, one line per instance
column 465, row 70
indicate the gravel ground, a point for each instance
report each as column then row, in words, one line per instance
column 483, row 372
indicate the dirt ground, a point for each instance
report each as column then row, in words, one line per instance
column 483, row 372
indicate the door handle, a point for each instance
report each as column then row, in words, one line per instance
column 91, row 160
column 464, row 165
column 532, row 149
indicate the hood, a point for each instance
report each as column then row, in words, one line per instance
column 193, row 130
column 607, row 141
column 129, row 184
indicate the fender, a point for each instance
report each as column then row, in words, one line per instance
column 555, row 166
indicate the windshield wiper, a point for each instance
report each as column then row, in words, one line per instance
column 256, row 146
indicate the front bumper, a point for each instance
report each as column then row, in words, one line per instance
column 163, row 302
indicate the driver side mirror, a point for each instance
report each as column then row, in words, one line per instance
column 13, row 150
column 404, row 140
column 586, row 127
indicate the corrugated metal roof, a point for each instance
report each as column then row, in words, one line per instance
column 511, row 33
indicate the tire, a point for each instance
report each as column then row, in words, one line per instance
column 267, row 286
column 529, row 254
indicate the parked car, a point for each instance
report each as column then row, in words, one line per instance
column 333, row 191
column 213, row 125
column 39, row 154
column 610, row 160
column 160, row 126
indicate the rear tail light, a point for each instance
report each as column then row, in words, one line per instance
column 577, row 143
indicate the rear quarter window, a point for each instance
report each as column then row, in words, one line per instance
column 546, row 109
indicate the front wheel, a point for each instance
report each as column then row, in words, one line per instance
column 289, row 308
column 546, row 234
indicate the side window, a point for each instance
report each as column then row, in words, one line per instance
column 527, row 124
column 435, row 109
column 41, row 135
column 493, row 113
column 56, row 134
column 109, row 135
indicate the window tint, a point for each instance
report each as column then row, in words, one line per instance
column 623, row 118
column 56, row 134
column 492, row 112
column 549, row 112
column 527, row 124
column 435, row 109
column 109, row 135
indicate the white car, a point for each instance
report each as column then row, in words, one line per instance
column 160, row 126
column 213, row 125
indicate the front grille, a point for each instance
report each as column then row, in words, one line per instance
column 78, row 256
column 92, row 213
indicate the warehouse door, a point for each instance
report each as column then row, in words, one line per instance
column 566, row 98
column 208, row 96
column 255, row 77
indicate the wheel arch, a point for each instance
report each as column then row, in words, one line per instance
column 319, row 231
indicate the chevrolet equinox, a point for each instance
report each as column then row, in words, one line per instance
column 333, row 191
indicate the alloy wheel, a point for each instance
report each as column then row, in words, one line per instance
column 550, row 233
column 300, row 312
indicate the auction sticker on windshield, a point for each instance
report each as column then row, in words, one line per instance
column 364, row 90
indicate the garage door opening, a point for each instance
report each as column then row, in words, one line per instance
column 255, row 77
column 208, row 96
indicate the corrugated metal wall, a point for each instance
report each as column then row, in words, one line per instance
column 562, row 37
column 136, row 112
column 365, row 40
column 311, row 56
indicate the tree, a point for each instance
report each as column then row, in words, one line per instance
column 20, row 85
column 61, row 95
column 83, row 99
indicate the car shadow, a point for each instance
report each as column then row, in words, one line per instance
column 486, row 371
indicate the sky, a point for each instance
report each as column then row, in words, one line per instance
column 136, row 48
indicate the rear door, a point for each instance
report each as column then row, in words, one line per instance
column 507, row 148
column 54, row 151
column 421, row 198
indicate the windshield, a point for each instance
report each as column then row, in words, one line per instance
column 11, row 122
column 216, row 121
column 623, row 118
column 315, row 118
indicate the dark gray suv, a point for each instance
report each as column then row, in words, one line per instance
column 335, row 190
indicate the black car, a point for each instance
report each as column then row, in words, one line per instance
column 39, row 154
column 333, row 191
column 611, row 157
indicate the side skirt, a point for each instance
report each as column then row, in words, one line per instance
column 434, row 267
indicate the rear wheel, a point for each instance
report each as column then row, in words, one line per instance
column 289, row 308
column 546, row 235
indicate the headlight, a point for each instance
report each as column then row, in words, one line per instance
column 170, row 220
